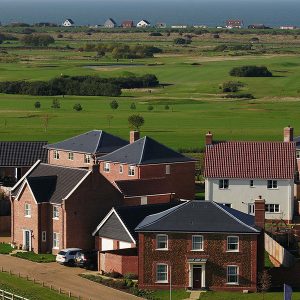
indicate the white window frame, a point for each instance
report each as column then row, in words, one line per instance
column 298, row 154
column 87, row 159
column 166, row 273
column 238, row 243
column 44, row 236
column 251, row 209
column 56, row 236
column 27, row 210
column 121, row 169
column 55, row 212
column 157, row 242
column 236, row 274
column 168, row 169
column 272, row 184
column 71, row 156
column 56, row 154
column 222, row 185
column 131, row 170
column 272, row 205
column 201, row 243
column 106, row 167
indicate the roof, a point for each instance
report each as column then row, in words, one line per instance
column 127, row 22
column 130, row 216
column 199, row 216
column 22, row 154
column 145, row 151
column 145, row 21
column 261, row 160
column 110, row 20
column 70, row 20
column 297, row 141
column 144, row 187
column 50, row 183
column 95, row 141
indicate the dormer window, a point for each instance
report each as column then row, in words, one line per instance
column 131, row 170
column 107, row 167
column 56, row 154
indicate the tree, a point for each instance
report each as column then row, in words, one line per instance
column 136, row 121
column 150, row 107
column 77, row 107
column 264, row 282
column 109, row 119
column 45, row 121
column 114, row 104
column 37, row 104
column 251, row 71
column 132, row 106
column 167, row 107
column 55, row 103
column 38, row 40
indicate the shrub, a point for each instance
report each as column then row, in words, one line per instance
column 130, row 276
column 251, row 71
column 167, row 107
column 60, row 36
column 37, row 104
column 136, row 121
column 155, row 34
column 77, row 107
column 240, row 96
column 150, row 107
column 38, row 40
column 132, row 106
column 55, row 103
column 114, row 104
column 231, row 86
column 182, row 41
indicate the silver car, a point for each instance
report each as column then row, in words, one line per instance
column 67, row 256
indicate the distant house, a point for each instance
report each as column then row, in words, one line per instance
column 110, row 23
column 68, row 23
column 258, row 26
column 127, row 24
column 179, row 26
column 143, row 23
column 160, row 25
column 230, row 24
column 286, row 27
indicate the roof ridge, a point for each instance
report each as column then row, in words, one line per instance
column 141, row 179
column 143, row 149
column 65, row 167
column 98, row 142
column 232, row 216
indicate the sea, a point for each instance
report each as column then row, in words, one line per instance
column 211, row 13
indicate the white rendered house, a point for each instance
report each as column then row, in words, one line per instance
column 68, row 23
column 143, row 23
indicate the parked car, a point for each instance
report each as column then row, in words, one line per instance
column 87, row 259
column 67, row 256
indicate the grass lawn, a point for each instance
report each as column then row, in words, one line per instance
column 176, row 295
column 27, row 289
column 5, row 248
column 40, row 258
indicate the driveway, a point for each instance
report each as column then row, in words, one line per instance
column 62, row 277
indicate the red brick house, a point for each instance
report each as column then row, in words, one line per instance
column 234, row 24
column 159, row 167
column 201, row 245
column 55, row 207
column 82, row 151
column 127, row 24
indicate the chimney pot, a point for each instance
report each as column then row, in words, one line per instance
column 209, row 139
column 134, row 136
column 288, row 134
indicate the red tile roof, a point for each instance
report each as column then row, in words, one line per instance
column 265, row 160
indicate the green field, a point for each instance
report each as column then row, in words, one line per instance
column 192, row 79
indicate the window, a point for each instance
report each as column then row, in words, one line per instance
column 251, row 183
column 227, row 204
column 162, row 242
column 55, row 212
column 55, row 240
column 121, row 169
column 232, row 274
column 298, row 154
column 272, row 208
column 251, row 209
column 56, row 154
column 197, row 243
column 107, row 167
column 71, row 156
column 44, row 236
column 223, row 184
column 27, row 210
column 232, row 243
column 162, row 273
column 131, row 171
column 87, row 159
column 168, row 169
column 272, row 184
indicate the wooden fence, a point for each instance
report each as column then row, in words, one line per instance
column 4, row 295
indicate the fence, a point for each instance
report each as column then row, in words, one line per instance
column 279, row 253
column 4, row 295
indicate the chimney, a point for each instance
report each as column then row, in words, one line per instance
column 260, row 210
column 134, row 136
column 208, row 139
column 288, row 134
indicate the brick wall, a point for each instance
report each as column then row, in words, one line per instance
column 114, row 173
column 218, row 259
column 156, row 199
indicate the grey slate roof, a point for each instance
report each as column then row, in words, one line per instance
column 92, row 142
column 22, row 154
column 297, row 141
column 145, row 151
column 50, row 183
column 199, row 216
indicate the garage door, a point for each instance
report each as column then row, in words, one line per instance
column 107, row 244
column 124, row 245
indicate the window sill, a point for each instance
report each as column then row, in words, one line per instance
column 233, row 283
column 162, row 249
column 27, row 217
column 272, row 189
column 55, row 248
column 200, row 250
column 162, row 281
column 276, row 213
column 232, row 251
column 55, row 218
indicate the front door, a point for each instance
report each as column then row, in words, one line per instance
column 27, row 240
column 197, row 277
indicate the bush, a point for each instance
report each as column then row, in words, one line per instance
column 167, row 107
column 77, row 107
column 132, row 106
column 150, row 107
column 55, row 103
column 114, row 104
column 155, row 34
column 38, row 40
column 37, row 104
column 131, row 276
column 136, row 121
column 250, row 71
column 182, row 41
column 231, row 86
column 240, row 96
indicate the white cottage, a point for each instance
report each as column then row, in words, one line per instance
column 236, row 172
column 143, row 23
column 68, row 23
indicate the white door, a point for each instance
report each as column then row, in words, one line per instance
column 107, row 244
column 124, row 245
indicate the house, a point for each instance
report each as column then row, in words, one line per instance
column 201, row 245
column 179, row 26
column 230, row 24
column 288, row 27
column 55, row 207
column 116, row 239
column 68, row 23
column 16, row 158
column 143, row 24
column 161, row 25
column 235, row 172
column 82, row 150
column 110, row 23
column 127, row 24
column 146, row 159
column 258, row 26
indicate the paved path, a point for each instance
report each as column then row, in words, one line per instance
column 63, row 277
